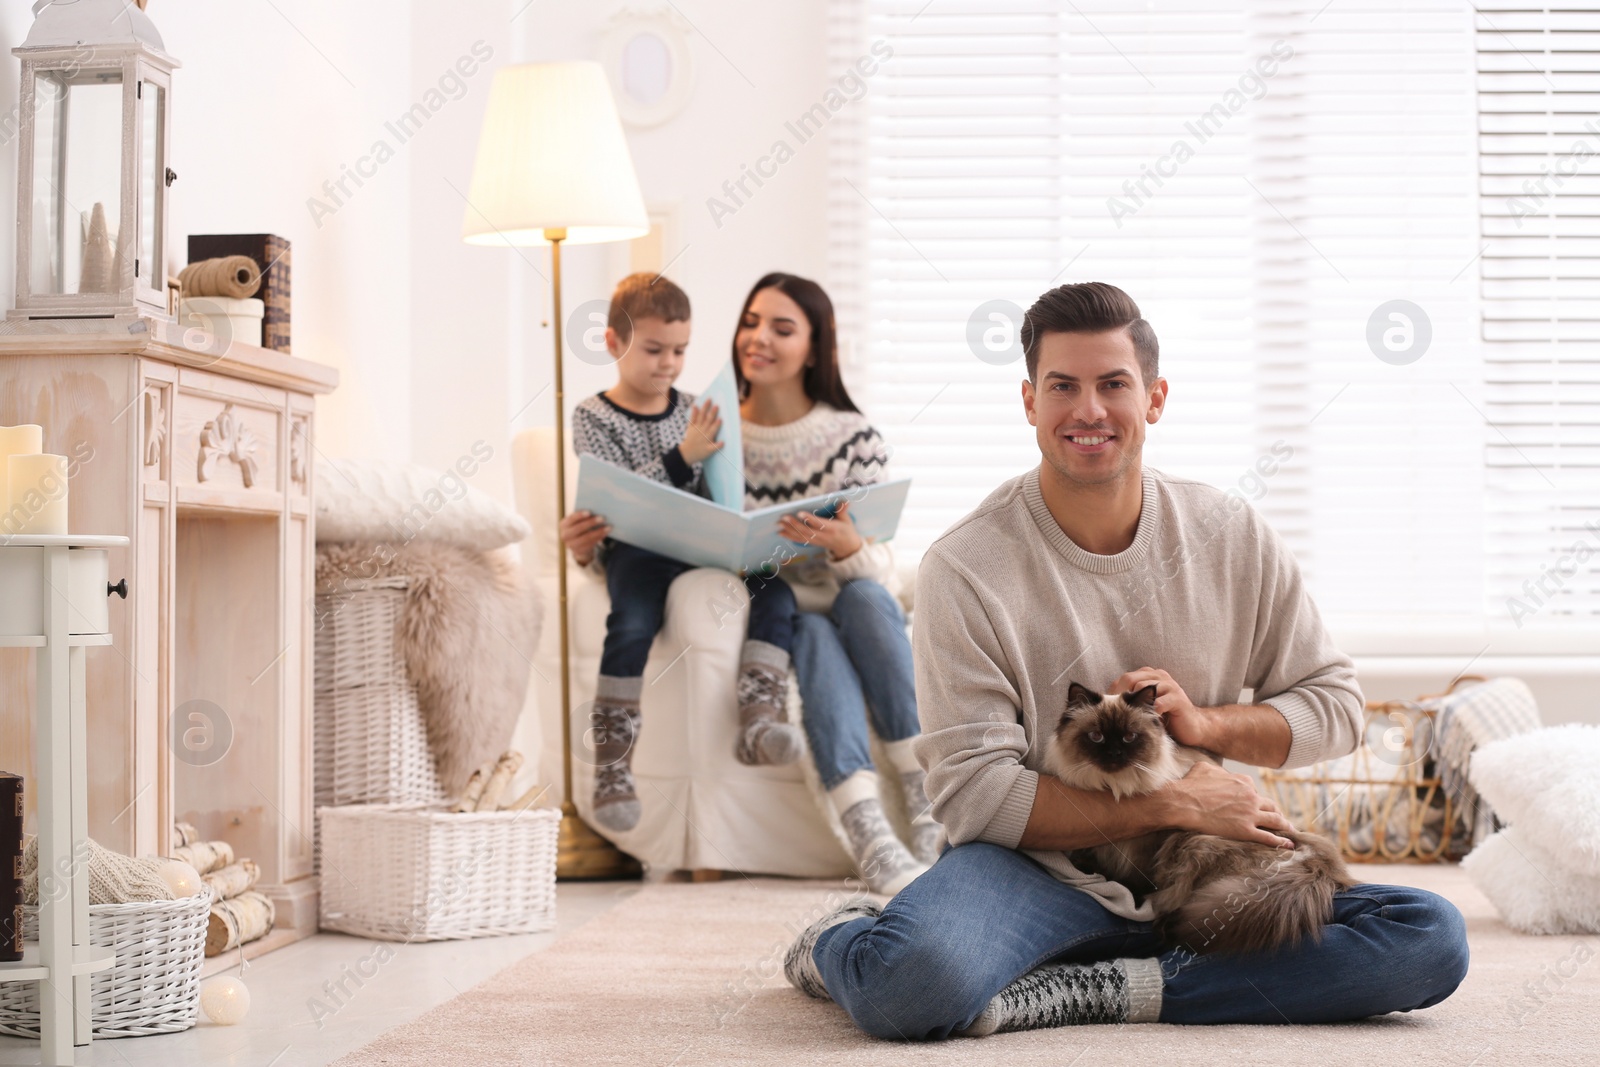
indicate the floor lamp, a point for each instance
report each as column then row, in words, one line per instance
column 553, row 168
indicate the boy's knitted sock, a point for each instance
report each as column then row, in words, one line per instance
column 925, row 831
column 1072, row 994
column 615, row 722
column 765, row 734
column 880, row 857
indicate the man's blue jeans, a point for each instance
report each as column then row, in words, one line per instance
column 985, row 915
column 852, row 664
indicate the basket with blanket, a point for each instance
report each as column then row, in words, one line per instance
column 425, row 633
column 158, row 933
column 1404, row 794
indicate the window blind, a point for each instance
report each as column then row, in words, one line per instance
column 1264, row 179
column 1539, row 164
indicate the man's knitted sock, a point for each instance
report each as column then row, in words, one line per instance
column 925, row 830
column 880, row 857
column 800, row 964
column 614, row 724
column 1072, row 994
column 765, row 734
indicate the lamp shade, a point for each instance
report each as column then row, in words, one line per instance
column 552, row 157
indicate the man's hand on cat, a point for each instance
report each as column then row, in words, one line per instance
column 1187, row 724
column 1210, row 800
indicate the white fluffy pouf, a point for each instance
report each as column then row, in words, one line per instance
column 1543, row 872
column 1531, row 889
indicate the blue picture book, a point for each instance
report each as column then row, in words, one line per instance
column 718, row 532
column 675, row 523
column 724, row 469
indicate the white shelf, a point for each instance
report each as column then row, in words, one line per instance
column 37, row 640
column 57, row 540
column 86, row 959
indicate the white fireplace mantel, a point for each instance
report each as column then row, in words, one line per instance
column 201, row 709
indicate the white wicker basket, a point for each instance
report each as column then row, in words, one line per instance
column 407, row 872
column 154, row 987
column 371, row 746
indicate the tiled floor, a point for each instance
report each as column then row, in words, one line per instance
column 286, row 1026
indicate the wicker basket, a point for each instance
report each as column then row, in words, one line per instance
column 406, row 872
column 371, row 746
column 1384, row 803
column 154, row 988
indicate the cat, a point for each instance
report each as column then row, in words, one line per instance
column 1208, row 893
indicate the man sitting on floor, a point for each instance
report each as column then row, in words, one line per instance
column 1078, row 570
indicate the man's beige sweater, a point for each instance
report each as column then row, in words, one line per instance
column 1010, row 611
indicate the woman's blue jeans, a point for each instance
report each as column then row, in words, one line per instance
column 854, row 664
column 985, row 915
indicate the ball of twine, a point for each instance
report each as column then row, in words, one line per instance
column 237, row 277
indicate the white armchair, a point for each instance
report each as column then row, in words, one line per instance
column 701, row 807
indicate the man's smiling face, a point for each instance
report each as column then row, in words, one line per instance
column 1089, row 406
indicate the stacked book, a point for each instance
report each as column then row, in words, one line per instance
column 10, row 867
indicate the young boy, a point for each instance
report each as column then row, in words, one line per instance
column 644, row 424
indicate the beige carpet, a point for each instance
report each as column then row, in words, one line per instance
column 692, row 974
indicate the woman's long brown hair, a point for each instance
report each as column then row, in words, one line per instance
column 821, row 379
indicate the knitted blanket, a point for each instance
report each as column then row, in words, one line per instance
column 1470, row 718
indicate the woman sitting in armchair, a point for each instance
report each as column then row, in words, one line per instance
column 804, row 436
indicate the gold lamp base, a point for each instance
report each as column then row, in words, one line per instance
column 583, row 855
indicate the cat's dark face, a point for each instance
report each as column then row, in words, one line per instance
column 1111, row 732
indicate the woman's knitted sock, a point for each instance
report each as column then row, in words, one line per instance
column 1072, row 994
column 614, row 724
column 765, row 734
column 925, row 832
column 880, row 857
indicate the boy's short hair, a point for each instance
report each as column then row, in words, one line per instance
column 645, row 296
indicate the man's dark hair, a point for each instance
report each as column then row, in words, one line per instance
column 1090, row 307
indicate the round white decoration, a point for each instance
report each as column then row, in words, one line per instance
column 647, row 60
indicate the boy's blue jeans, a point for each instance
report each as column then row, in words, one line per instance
column 985, row 915
column 638, row 580
column 854, row 663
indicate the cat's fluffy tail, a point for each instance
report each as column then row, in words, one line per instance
column 1267, row 898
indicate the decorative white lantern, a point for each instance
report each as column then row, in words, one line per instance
column 92, row 174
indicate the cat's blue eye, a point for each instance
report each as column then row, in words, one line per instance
column 1129, row 738
column 1095, row 736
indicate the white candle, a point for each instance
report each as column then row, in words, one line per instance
column 36, row 495
column 17, row 441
